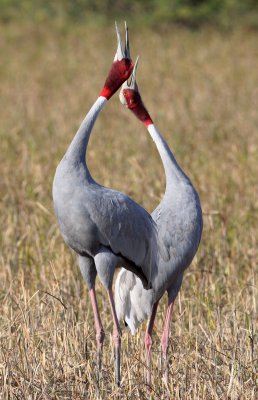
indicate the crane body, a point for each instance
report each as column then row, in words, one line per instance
column 104, row 227
column 178, row 218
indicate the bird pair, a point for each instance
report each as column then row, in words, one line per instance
column 107, row 229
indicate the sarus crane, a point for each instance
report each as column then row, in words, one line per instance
column 179, row 226
column 104, row 227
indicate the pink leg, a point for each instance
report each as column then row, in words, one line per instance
column 165, row 336
column 100, row 334
column 148, row 340
column 116, row 336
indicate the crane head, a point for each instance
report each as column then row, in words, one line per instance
column 131, row 98
column 121, row 67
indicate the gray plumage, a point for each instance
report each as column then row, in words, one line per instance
column 103, row 226
column 179, row 225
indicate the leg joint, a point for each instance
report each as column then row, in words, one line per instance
column 148, row 342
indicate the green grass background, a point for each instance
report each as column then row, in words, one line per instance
column 193, row 13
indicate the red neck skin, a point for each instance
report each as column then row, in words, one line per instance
column 135, row 104
column 118, row 74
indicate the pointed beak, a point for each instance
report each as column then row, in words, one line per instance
column 132, row 83
column 127, row 47
column 122, row 52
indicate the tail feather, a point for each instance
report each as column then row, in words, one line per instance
column 133, row 302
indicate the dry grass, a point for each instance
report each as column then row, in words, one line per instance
column 201, row 89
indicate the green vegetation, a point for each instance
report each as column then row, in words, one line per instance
column 193, row 13
column 201, row 89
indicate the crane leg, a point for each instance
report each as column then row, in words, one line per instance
column 106, row 262
column 116, row 337
column 148, row 340
column 165, row 337
column 100, row 334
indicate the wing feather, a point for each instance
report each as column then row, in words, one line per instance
column 126, row 227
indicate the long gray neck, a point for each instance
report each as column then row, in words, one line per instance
column 173, row 172
column 77, row 149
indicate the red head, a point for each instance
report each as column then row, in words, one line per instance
column 121, row 68
column 130, row 97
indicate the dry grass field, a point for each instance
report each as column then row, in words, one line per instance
column 202, row 90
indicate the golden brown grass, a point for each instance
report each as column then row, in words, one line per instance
column 201, row 89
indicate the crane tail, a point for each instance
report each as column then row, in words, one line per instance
column 133, row 303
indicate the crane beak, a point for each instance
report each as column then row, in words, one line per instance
column 131, row 83
column 122, row 52
column 127, row 47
